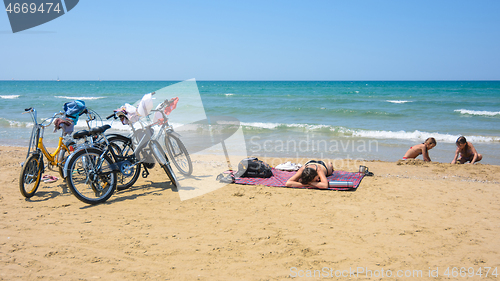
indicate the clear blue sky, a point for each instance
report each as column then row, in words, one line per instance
column 259, row 40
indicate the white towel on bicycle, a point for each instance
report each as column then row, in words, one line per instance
column 131, row 113
column 145, row 105
column 143, row 109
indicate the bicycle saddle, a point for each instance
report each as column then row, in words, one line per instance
column 81, row 134
column 93, row 132
column 99, row 130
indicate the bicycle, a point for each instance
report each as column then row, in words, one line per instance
column 176, row 149
column 148, row 146
column 92, row 174
column 121, row 150
column 33, row 167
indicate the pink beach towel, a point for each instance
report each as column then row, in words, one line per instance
column 279, row 179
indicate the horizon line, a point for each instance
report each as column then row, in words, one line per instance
column 218, row 80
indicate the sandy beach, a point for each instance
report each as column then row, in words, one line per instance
column 412, row 219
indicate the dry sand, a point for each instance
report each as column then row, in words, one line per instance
column 408, row 218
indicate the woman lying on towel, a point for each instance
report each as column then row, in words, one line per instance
column 313, row 173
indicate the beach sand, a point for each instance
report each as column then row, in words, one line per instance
column 409, row 218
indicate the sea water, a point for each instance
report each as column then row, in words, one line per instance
column 364, row 120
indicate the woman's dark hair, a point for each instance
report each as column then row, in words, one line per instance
column 308, row 175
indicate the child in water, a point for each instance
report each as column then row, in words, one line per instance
column 422, row 148
column 467, row 152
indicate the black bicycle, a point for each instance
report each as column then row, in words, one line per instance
column 95, row 169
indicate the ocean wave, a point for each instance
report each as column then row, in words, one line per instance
column 115, row 125
column 420, row 136
column 398, row 101
column 261, row 125
column 14, row 124
column 227, row 95
column 477, row 112
column 78, row 98
column 9, row 97
column 340, row 131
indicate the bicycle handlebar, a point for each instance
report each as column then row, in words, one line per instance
column 83, row 112
column 164, row 104
column 51, row 118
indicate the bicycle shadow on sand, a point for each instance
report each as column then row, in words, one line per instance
column 151, row 188
column 44, row 195
column 154, row 188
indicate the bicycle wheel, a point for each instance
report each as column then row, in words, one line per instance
column 177, row 153
column 31, row 175
column 123, row 148
column 89, row 180
column 162, row 159
column 61, row 158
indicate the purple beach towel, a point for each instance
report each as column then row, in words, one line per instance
column 279, row 179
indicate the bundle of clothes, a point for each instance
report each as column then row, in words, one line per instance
column 72, row 111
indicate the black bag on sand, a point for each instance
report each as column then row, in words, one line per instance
column 253, row 168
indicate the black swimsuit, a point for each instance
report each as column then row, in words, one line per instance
column 317, row 162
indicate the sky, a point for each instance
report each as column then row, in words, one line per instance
column 259, row 40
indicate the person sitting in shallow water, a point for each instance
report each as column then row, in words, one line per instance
column 467, row 152
column 313, row 173
column 422, row 148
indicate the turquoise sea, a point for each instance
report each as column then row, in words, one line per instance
column 369, row 120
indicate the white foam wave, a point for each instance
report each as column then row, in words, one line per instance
column 276, row 125
column 115, row 125
column 261, row 125
column 378, row 134
column 16, row 124
column 227, row 95
column 418, row 135
column 78, row 98
column 398, row 101
column 477, row 112
column 9, row 97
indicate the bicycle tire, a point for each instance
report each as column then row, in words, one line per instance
column 61, row 161
column 178, row 154
column 122, row 146
column 162, row 159
column 31, row 174
column 87, row 185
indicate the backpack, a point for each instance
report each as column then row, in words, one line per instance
column 253, row 168
column 73, row 109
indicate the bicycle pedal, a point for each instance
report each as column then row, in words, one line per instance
column 145, row 174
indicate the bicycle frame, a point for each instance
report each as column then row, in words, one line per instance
column 90, row 142
column 52, row 157
column 36, row 141
column 165, row 127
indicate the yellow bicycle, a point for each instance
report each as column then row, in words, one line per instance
column 33, row 167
